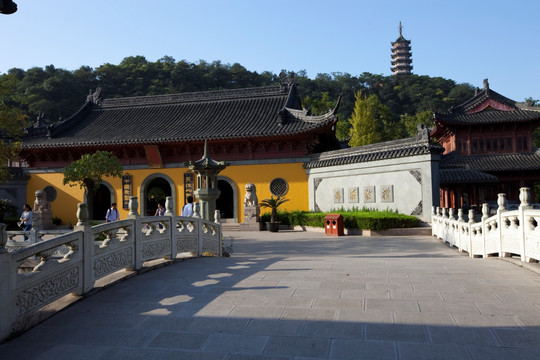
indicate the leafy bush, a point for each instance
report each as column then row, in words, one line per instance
column 356, row 219
column 6, row 208
column 11, row 223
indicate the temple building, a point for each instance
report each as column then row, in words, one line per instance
column 264, row 133
column 483, row 147
column 488, row 150
column 401, row 55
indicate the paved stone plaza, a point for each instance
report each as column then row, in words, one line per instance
column 302, row 295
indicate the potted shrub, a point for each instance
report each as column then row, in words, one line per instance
column 273, row 203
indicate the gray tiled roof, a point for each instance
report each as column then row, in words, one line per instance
column 494, row 162
column 461, row 116
column 227, row 114
column 481, row 97
column 489, row 117
column 463, row 176
column 374, row 152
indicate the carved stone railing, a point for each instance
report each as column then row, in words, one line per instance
column 507, row 233
column 35, row 275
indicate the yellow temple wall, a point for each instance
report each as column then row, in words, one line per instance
column 65, row 204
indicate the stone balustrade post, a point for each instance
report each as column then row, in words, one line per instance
column 169, row 213
column 434, row 231
column 5, row 285
column 197, row 209
column 169, row 206
column 470, row 223
column 137, row 232
column 133, row 207
column 451, row 214
column 485, row 216
column 501, row 203
column 217, row 220
column 460, row 220
column 87, row 247
column 524, row 198
column 485, row 211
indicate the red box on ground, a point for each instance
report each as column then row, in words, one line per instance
column 333, row 225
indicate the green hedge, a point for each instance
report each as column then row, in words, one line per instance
column 357, row 219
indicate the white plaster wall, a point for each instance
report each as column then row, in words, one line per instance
column 408, row 192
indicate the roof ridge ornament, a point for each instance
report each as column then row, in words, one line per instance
column 486, row 84
column 286, row 81
column 94, row 97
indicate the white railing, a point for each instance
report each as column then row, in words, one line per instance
column 35, row 275
column 507, row 233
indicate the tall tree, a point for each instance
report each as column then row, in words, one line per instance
column 88, row 171
column 367, row 120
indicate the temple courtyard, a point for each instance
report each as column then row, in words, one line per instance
column 304, row 295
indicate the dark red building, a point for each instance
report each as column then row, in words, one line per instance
column 488, row 150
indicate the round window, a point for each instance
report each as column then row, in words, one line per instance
column 279, row 187
column 51, row 193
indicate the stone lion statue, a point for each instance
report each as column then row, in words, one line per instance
column 41, row 204
column 251, row 195
column 42, row 218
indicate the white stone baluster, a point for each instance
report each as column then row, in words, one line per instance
column 471, row 222
column 501, row 201
column 169, row 211
column 133, row 206
column 525, row 196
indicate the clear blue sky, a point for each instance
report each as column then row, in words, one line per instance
column 466, row 41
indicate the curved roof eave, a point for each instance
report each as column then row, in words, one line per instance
column 166, row 141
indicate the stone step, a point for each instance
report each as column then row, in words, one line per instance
column 230, row 226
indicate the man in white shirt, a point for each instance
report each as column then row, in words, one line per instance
column 112, row 214
column 187, row 210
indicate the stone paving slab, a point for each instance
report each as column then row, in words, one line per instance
column 304, row 296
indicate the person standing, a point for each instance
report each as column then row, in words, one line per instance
column 187, row 210
column 112, row 213
column 26, row 219
column 160, row 211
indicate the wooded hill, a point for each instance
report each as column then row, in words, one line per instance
column 59, row 93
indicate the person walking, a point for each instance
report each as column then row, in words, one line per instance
column 26, row 219
column 112, row 213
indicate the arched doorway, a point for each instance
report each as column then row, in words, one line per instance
column 102, row 201
column 227, row 202
column 156, row 192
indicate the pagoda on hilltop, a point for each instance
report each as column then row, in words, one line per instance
column 401, row 55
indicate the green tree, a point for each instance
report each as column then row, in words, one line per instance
column 368, row 120
column 12, row 124
column 411, row 121
column 321, row 106
column 89, row 170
